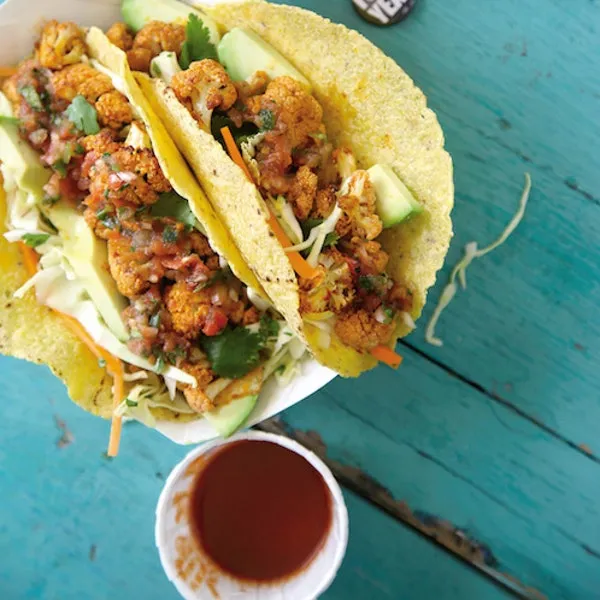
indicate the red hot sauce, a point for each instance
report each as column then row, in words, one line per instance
column 259, row 511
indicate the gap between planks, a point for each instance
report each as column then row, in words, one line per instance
column 456, row 542
column 496, row 397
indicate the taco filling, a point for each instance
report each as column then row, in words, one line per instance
column 119, row 250
column 326, row 211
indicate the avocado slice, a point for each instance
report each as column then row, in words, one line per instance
column 21, row 160
column 137, row 13
column 395, row 203
column 88, row 256
column 243, row 53
column 227, row 419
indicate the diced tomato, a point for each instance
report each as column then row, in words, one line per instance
column 216, row 321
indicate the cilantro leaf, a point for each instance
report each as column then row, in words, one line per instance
column 331, row 239
column 220, row 275
column 234, row 352
column 197, row 43
column 83, row 115
column 33, row 240
column 269, row 327
column 171, row 204
column 169, row 235
column 267, row 119
column 60, row 167
column 31, row 96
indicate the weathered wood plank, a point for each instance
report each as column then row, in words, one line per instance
column 516, row 89
column 447, row 450
column 76, row 525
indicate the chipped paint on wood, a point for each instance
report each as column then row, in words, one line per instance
column 454, row 539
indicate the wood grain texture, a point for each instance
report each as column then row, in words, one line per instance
column 515, row 88
column 75, row 525
column 445, row 449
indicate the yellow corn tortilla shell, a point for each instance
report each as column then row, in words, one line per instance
column 34, row 332
column 371, row 105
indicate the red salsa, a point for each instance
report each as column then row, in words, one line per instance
column 260, row 511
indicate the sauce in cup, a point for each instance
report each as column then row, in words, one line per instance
column 259, row 511
column 256, row 517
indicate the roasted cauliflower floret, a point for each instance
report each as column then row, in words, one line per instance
column 122, row 173
column 127, row 267
column 204, row 87
column 302, row 192
column 296, row 109
column 361, row 330
column 344, row 161
column 358, row 201
column 120, row 36
column 154, row 38
column 139, row 59
column 80, row 79
column 373, row 260
column 188, row 308
column 332, row 289
column 61, row 44
column 196, row 397
column 114, row 110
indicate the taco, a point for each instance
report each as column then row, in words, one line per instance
column 335, row 184
column 109, row 242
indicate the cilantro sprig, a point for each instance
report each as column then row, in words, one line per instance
column 83, row 115
column 171, row 204
column 236, row 351
column 197, row 45
column 33, row 240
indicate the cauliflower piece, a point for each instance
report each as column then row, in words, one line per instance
column 80, row 79
column 361, row 331
column 60, row 44
column 127, row 267
column 302, row 192
column 344, row 162
column 301, row 114
column 400, row 297
column 196, row 397
column 114, row 110
column 120, row 36
column 164, row 66
column 203, row 87
column 139, row 59
column 358, row 201
column 332, row 289
column 324, row 203
column 372, row 258
column 154, row 38
column 188, row 308
column 131, row 175
column 103, row 142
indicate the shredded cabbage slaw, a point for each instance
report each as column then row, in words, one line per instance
column 470, row 254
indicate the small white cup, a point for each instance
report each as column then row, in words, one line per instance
column 196, row 577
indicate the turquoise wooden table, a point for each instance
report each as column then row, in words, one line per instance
column 473, row 471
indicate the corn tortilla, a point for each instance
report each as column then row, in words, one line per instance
column 369, row 104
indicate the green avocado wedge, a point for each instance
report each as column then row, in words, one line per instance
column 227, row 419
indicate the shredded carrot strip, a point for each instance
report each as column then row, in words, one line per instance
column 30, row 258
column 387, row 355
column 7, row 71
column 113, row 365
column 296, row 259
column 234, row 152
